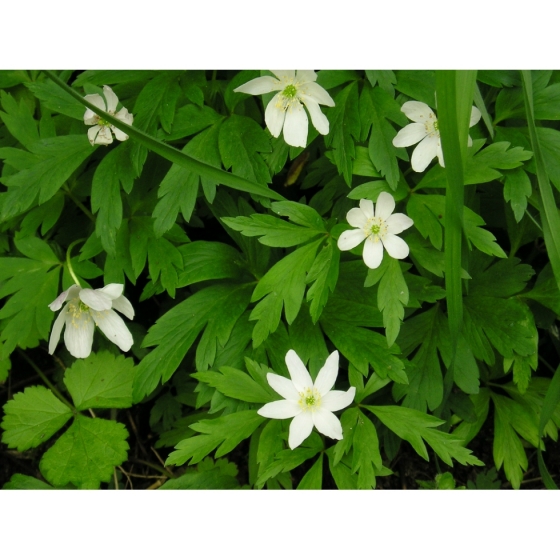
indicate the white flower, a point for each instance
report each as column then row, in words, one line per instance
column 425, row 130
column 379, row 228
column 101, row 132
column 310, row 404
column 85, row 309
column 285, row 109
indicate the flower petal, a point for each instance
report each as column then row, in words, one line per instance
column 366, row 206
column 283, row 386
column 124, row 306
column 418, row 112
column 274, row 116
column 113, row 291
column 356, row 218
column 317, row 93
column 305, row 76
column 296, row 126
column 124, row 116
column 92, row 134
column 395, row 246
column 258, row 86
column 439, row 154
column 70, row 293
column 119, row 134
column 101, row 135
column 95, row 99
column 114, row 328
column 57, row 329
column 350, row 239
column 300, row 428
column 96, row 299
column 411, row 134
column 320, row 121
column 112, row 99
column 280, row 410
column 475, row 116
column 398, row 222
column 285, row 76
column 327, row 423
column 424, row 153
column 78, row 335
column 373, row 253
column 327, row 375
column 298, row 372
column 385, row 205
column 337, row 400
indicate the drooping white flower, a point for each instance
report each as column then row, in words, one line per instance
column 101, row 132
column 379, row 227
column 285, row 110
column 424, row 129
column 85, row 309
column 309, row 404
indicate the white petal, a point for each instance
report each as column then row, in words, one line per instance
column 350, row 239
column 124, row 306
column 319, row 94
column 327, row 423
column 396, row 223
column 424, row 153
column 356, row 218
column 103, row 136
column 439, row 154
column 285, row 76
column 475, row 116
column 300, row 428
column 258, row 86
column 96, row 299
column 305, row 76
column 298, row 372
column 395, row 246
column 373, row 253
column 418, row 112
column 411, row 134
column 296, row 126
column 92, row 134
column 367, row 207
column 385, row 205
column 124, row 116
column 95, row 99
column 274, row 116
column 327, row 374
column 113, row 328
column 337, row 400
column 280, row 410
column 112, row 99
column 57, row 329
column 119, row 134
column 78, row 335
column 112, row 291
column 283, row 386
column 70, row 293
column 320, row 121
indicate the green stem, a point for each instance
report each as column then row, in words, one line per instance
column 79, row 204
column 69, row 262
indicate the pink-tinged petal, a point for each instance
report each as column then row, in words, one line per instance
column 280, row 410
column 284, row 76
column 439, row 154
column 124, row 306
column 112, row 99
column 70, row 293
column 300, row 428
column 327, row 423
column 78, row 335
column 475, row 116
column 337, row 400
column 95, row 99
column 274, row 115
column 320, row 121
column 385, row 205
column 424, row 153
column 305, row 76
column 327, row 374
column 396, row 223
column 283, row 386
column 350, row 239
column 296, row 126
column 119, row 134
column 356, row 218
column 395, row 246
column 367, row 207
column 96, row 299
column 124, row 116
column 259, row 86
column 411, row 134
column 113, row 291
column 319, row 94
column 57, row 329
column 418, row 112
column 373, row 253
column 114, row 328
column 298, row 372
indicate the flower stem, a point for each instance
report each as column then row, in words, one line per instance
column 79, row 204
column 69, row 263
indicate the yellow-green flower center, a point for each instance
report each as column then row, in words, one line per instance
column 103, row 122
column 290, row 91
column 310, row 399
column 375, row 229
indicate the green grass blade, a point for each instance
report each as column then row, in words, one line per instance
column 172, row 154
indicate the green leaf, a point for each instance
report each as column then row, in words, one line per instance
column 19, row 120
column 101, row 381
column 419, row 85
column 32, row 417
column 313, row 478
column 363, row 166
column 191, row 119
column 332, row 78
column 385, row 78
column 24, row 482
column 344, row 120
column 366, row 457
column 322, row 276
column 517, row 189
column 208, row 476
column 392, row 296
column 57, row 100
column 86, row 454
column 164, row 262
column 226, row 432
column 468, row 430
column 546, row 290
column 414, row 426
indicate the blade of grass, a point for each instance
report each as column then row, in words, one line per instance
column 479, row 102
column 172, row 154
